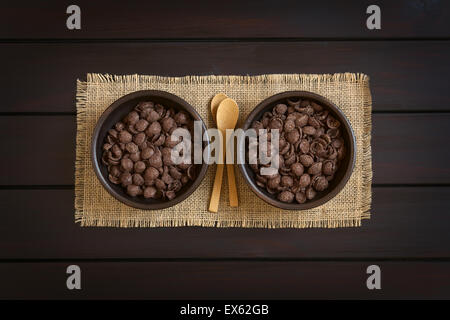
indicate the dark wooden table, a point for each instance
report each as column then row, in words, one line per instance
column 408, row 236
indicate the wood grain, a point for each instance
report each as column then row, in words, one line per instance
column 408, row 222
column 226, row 280
column 407, row 149
column 407, row 61
column 236, row 19
column 405, row 76
column 39, row 150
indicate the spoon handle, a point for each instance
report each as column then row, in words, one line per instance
column 215, row 195
column 232, row 186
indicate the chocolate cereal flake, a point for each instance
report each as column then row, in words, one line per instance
column 310, row 149
column 137, row 152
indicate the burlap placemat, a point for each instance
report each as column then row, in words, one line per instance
column 95, row 207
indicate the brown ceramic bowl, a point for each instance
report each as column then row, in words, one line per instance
column 117, row 111
column 342, row 174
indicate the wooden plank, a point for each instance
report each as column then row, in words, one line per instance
column 406, row 222
column 226, row 280
column 38, row 150
column 407, row 149
column 236, row 19
column 405, row 76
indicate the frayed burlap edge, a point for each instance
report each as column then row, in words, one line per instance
column 79, row 155
column 366, row 163
column 232, row 79
column 148, row 223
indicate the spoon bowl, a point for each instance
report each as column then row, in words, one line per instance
column 216, row 100
column 226, row 118
column 227, row 114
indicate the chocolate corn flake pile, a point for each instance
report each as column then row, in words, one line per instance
column 310, row 150
column 137, row 152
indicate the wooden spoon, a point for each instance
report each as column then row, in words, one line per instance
column 218, row 98
column 227, row 116
column 215, row 102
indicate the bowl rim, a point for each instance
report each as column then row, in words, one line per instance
column 94, row 143
column 313, row 203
